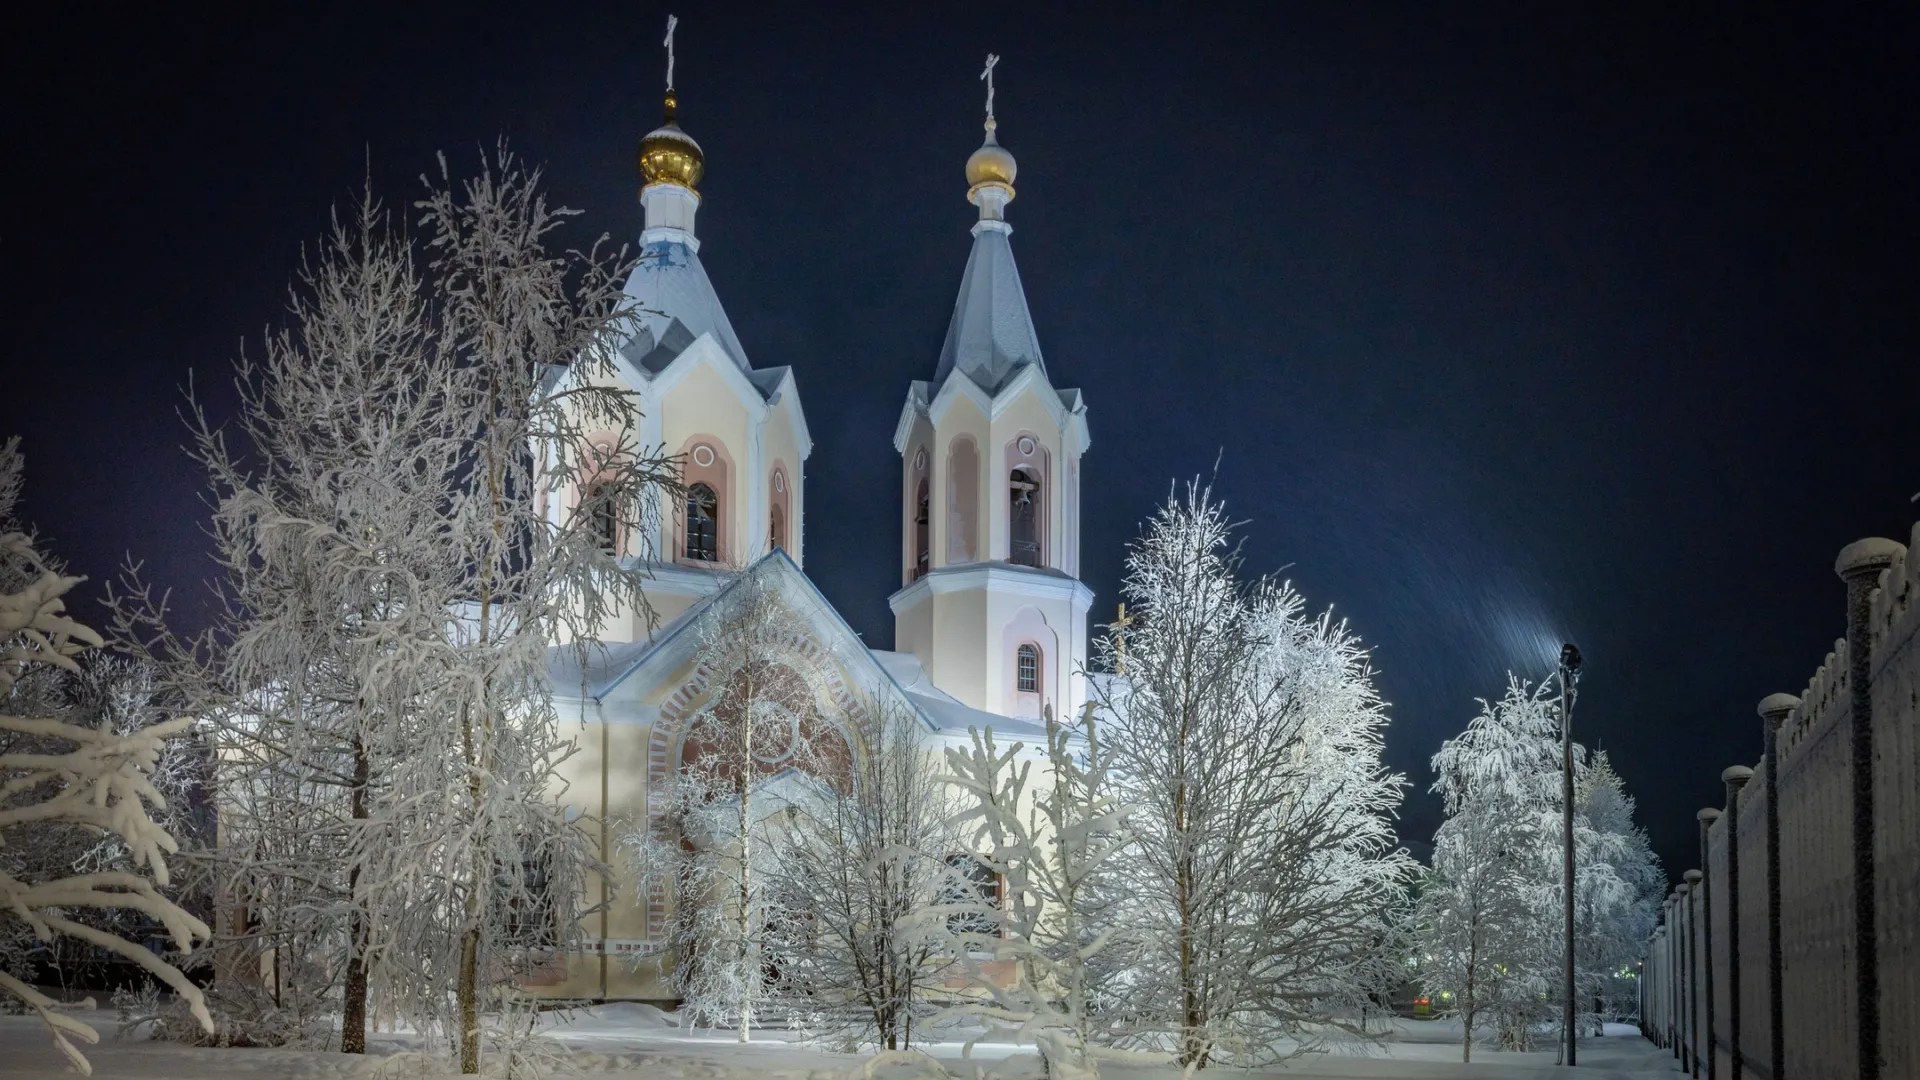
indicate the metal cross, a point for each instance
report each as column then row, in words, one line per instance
column 672, row 22
column 988, row 76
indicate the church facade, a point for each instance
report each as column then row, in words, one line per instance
column 990, row 617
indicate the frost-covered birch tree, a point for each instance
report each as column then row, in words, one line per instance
column 757, row 744
column 1247, row 736
column 538, row 414
column 394, row 510
column 57, row 773
column 1051, row 848
column 857, row 863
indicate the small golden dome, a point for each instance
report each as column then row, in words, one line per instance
column 991, row 164
column 669, row 155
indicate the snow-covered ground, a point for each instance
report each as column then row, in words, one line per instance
column 625, row 1042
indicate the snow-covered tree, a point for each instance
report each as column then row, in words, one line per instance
column 857, row 863
column 54, row 772
column 1492, row 917
column 390, row 508
column 756, row 746
column 1497, row 857
column 1247, row 736
column 1618, row 886
column 538, row 412
column 117, row 694
column 1481, row 938
column 1049, row 849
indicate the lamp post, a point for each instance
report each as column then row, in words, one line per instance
column 1569, row 675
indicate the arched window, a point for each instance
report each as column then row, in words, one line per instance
column 1026, row 665
column 779, row 510
column 1023, row 529
column 922, row 532
column 603, row 517
column 962, row 501
column 703, row 524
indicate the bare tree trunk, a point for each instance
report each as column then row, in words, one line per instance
column 353, row 1019
column 469, row 1000
column 746, row 865
column 1467, row 1002
column 467, row 987
column 467, row 993
column 1192, row 1015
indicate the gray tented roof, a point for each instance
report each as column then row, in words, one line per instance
column 675, row 304
column 991, row 334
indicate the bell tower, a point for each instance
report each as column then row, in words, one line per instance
column 990, row 599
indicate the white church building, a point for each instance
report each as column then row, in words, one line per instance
column 990, row 617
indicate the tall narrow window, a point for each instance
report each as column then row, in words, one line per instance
column 922, row 532
column 776, row 527
column 528, row 918
column 972, row 883
column 1027, row 670
column 703, row 524
column 603, row 517
column 1023, row 530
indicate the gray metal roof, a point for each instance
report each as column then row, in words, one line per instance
column 991, row 334
column 675, row 304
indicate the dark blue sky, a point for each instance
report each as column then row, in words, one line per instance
column 1513, row 324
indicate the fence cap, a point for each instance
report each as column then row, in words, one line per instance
column 1708, row 814
column 1693, row 876
column 1869, row 556
column 1778, row 705
column 1736, row 774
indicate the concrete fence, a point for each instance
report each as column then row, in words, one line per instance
column 1793, row 953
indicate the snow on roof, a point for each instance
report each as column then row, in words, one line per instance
column 991, row 335
column 946, row 711
column 674, row 306
column 608, row 664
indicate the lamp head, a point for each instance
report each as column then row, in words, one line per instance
column 1570, row 657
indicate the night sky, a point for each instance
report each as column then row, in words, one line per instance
column 1507, row 326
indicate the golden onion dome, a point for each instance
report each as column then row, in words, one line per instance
column 991, row 164
column 669, row 155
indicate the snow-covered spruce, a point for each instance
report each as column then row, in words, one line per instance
column 1246, row 736
column 55, row 773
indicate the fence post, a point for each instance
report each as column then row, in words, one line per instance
column 1677, row 990
column 1707, row 816
column 1859, row 565
column 1673, row 973
column 1650, row 993
column 1774, row 710
column 1693, row 970
column 1735, row 777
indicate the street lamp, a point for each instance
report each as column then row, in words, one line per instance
column 1569, row 677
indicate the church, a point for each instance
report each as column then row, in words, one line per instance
column 990, row 617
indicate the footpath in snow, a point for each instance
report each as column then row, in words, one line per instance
column 629, row 1042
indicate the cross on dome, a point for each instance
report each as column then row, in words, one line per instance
column 988, row 76
column 673, row 21
column 991, row 169
column 669, row 155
